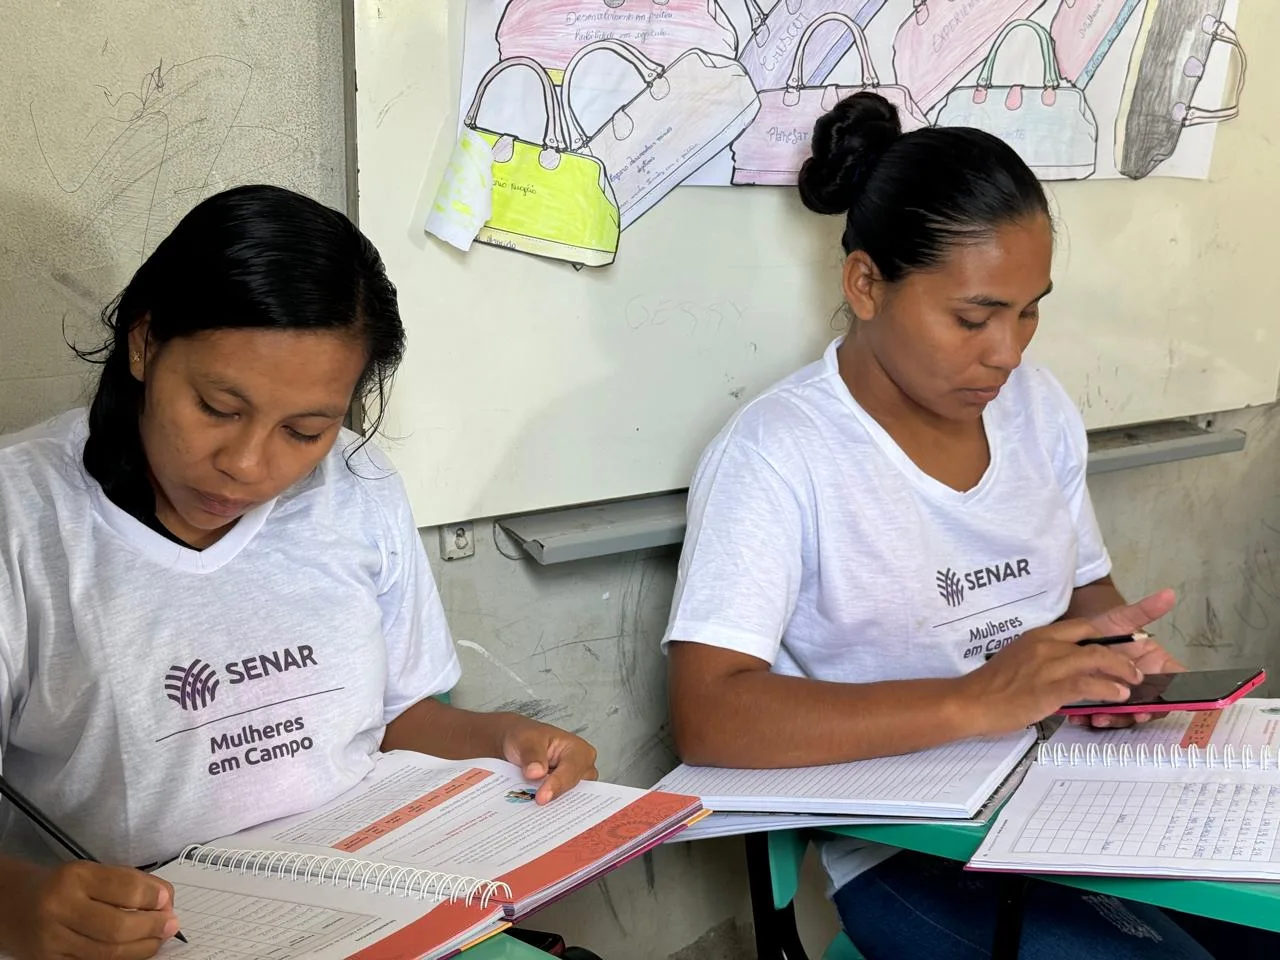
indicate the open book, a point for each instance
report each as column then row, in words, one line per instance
column 1193, row 795
column 420, row 858
column 949, row 782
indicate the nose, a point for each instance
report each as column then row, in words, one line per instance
column 243, row 457
column 1005, row 344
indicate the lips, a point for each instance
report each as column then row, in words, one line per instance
column 984, row 394
column 221, row 506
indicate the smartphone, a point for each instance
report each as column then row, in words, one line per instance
column 1164, row 692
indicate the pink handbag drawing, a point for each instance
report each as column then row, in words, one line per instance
column 940, row 41
column 552, row 31
column 770, row 50
column 687, row 112
column 1083, row 32
column 772, row 150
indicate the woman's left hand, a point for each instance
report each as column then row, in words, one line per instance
column 544, row 751
column 1150, row 658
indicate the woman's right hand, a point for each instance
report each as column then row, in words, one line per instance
column 1046, row 668
column 85, row 910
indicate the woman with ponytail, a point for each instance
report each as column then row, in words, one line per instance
column 834, row 600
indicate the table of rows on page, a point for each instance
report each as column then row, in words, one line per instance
column 1174, row 821
column 227, row 926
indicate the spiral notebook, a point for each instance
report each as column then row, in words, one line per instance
column 421, row 858
column 1193, row 795
column 949, row 782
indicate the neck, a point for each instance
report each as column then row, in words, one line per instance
column 881, row 397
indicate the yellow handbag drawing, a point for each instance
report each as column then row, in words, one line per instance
column 547, row 200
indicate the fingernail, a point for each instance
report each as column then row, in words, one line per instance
column 162, row 899
column 170, row 928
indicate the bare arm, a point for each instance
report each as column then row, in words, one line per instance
column 1094, row 598
column 728, row 709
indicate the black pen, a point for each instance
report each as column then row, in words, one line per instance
column 32, row 813
column 1113, row 641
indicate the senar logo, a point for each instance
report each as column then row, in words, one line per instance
column 192, row 687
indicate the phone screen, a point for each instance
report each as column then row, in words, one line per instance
column 1173, row 689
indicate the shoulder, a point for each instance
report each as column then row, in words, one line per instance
column 1045, row 414
column 356, row 485
column 45, row 455
column 782, row 422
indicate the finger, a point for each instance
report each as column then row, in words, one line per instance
column 1134, row 616
column 112, row 925
column 124, row 887
column 1112, row 720
column 1106, row 661
column 529, row 752
column 1078, row 720
column 1094, row 688
column 573, row 764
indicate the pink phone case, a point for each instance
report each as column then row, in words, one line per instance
column 1165, row 708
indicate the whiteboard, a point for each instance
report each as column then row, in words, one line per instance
column 530, row 385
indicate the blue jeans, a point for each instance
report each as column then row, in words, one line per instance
column 913, row 905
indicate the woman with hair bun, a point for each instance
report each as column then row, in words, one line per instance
column 894, row 547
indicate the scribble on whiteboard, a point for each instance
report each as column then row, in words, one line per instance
column 685, row 114
column 1084, row 32
column 1049, row 124
column 941, row 41
column 770, row 49
column 1165, row 69
column 159, row 150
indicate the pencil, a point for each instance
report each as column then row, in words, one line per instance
column 33, row 813
column 1113, row 641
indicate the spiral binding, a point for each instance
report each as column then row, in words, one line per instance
column 1127, row 755
column 346, row 871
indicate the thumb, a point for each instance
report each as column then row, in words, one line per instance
column 1134, row 616
column 532, row 754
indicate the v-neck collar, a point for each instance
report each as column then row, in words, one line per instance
column 930, row 486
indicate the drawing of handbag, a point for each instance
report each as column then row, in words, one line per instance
column 686, row 113
column 940, row 41
column 770, row 50
column 1175, row 38
column 552, row 31
column 774, row 147
column 547, row 200
column 1083, row 32
column 1051, row 126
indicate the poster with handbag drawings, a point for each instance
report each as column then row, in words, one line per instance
column 578, row 117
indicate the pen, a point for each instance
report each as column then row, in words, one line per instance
column 32, row 813
column 1112, row 641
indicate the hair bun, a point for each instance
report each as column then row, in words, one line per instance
column 847, row 142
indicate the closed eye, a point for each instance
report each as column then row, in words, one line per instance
column 213, row 411
column 970, row 324
column 301, row 437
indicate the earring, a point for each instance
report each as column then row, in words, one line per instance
column 135, row 357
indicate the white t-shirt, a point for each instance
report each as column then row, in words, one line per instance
column 816, row 544
column 153, row 696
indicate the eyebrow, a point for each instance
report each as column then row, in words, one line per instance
column 985, row 300
column 324, row 414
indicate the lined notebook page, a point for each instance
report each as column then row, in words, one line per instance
column 952, row 780
column 1162, row 822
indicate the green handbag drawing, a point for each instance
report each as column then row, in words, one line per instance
column 547, row 200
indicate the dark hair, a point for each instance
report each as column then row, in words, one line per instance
column 908, row 197
column 251, row 257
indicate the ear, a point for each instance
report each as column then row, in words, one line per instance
column 863, row 286
column 140, row 347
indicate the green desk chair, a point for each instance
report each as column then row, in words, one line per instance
column 773, row 864
column 773, row 872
